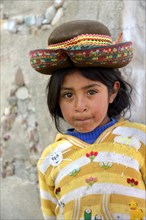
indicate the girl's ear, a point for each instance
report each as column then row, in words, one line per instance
column 114, row 93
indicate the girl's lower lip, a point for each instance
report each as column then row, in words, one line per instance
column 83, row 120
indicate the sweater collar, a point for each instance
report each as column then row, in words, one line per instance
column 90, row 137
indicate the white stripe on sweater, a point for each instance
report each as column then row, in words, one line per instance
column 103, row 188
column 129, row 132
column 45, row 195
column 102, row 157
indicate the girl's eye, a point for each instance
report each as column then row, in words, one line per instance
column 92, row 92
column 68, row 95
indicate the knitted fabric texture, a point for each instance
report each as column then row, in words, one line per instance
column 105, row 180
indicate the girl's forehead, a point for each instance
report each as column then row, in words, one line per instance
column 76, row 79
column 75, row 75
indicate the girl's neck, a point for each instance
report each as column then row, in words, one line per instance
column 90, row 137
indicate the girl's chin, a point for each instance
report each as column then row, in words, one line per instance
column 84, row 130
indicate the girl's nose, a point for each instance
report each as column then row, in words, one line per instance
column 80, row 105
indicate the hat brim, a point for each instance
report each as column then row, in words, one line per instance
column 46, row 61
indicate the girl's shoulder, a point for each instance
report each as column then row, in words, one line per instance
column 130, row 125
column 130, row 130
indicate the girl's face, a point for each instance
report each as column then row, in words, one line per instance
column 84, row 102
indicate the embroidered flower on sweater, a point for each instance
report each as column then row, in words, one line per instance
column 57, row 191
column 132, row 181
column 74, row 172
column 105, row 165
column 92, row 155
column 91, row 181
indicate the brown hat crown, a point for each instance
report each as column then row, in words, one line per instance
column 73, row 29
column 82, row 43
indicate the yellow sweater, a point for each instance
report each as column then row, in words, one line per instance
column 104, row 180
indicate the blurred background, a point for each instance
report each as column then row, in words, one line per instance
column 26, row 126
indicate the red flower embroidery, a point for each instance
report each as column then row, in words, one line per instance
column 91, row 155
column 91, row 181
column 58, row 190
column 132, row 181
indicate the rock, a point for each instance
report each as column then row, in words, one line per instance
column 19, row 78
column 46, row 27
column 19, row 19
column 5, row 124
column 13, row 90
column 33, row 135
column 31, row 108
column 12, row 100
column 22, row 93
column 4, row 16
column 30, row 20
column 58, row 3
column 6, row 136
column 24, row 30
column 19, row 200
column 34, row 159
column 50, row 13
column 39, row 20
column 22, row 109
column 7, row 111
column 31, row 120
column 57, row 17
column 11, row 26
column 33, row 148
column 8, row 169
column 11, row 118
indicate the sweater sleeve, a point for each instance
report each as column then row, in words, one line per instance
column 47, row 196
column 143, row 168
column 143, row 153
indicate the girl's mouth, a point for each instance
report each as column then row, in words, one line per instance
column 83, row 119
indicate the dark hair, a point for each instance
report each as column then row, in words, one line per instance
column 107, row 76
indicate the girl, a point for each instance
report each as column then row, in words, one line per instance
column 95, row 169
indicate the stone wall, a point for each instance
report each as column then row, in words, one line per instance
column 26, row 126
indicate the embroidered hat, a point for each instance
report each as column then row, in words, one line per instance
column 81, row 43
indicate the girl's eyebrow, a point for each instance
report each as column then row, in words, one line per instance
column 84, row 87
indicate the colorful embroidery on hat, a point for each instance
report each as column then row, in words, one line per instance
column 83, row 40
column 82, row 55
